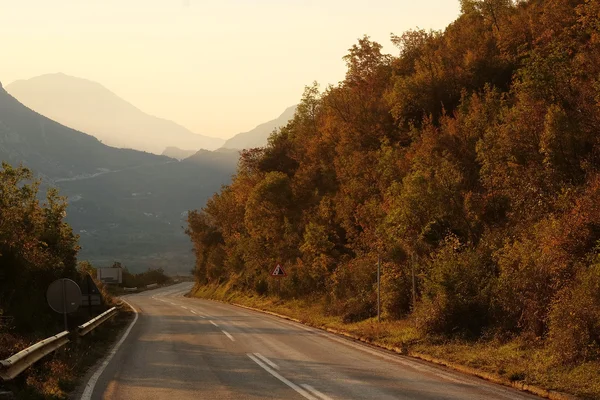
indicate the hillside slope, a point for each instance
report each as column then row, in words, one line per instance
column 177, row 153
column 126, row 205
column 258, row 136
column 467, row 166
column 54, row 150
column 92, row 108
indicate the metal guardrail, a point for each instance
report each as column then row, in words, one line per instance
column 130, row 289
column 152, row 285
column 13, row 366
column 86, row 328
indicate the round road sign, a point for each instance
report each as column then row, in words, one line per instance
column 64, row 296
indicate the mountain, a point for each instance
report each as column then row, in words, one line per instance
column 90, row 107
column 226, row 158
column 55, row 151
column 177, row 153
column 258, row 136
column 126, row 205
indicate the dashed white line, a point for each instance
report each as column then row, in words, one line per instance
column 297, row 388
column 314, row 391
column 214, row 324
column 184, row 307
column 194, row 312
column 228, row 335
column 265, row 359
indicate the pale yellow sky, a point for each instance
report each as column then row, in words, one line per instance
column 218, row 67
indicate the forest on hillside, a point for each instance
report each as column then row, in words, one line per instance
column 471, row 159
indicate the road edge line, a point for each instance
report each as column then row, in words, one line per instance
column 91, row 383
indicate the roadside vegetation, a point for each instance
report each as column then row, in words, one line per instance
column 37, row 247
column 470, row 163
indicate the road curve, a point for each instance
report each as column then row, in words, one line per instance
column 181, row 348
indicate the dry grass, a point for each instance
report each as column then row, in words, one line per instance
column 516, row 360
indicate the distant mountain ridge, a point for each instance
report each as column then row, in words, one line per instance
column 126, row 205
column 177, row 153
column 56, row 151
column 258, row 137
column 225, row 158
column 90, row 107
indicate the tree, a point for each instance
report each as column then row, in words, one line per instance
column 36, row 247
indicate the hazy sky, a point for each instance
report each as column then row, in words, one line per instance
column 218, row 67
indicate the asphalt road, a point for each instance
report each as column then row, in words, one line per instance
column 181, row 348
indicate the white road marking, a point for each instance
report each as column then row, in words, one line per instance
column 228, row 335
column 89, row 387
column 184, row 307
column 396, row 359
column 297, row 388
column 265, row 359
column 214, row 324
column 194, row 312
column 399, row 359
column 382, row 354
column 316, row 392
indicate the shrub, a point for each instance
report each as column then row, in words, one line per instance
column 457, row 291
column 396, row 290
column 261, row 286
column 354, row 290
column 575, row 318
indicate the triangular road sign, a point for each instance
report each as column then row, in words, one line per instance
column 90, row 286
column 278, row 271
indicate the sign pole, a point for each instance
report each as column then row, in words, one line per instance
column 378, row 288
column 414, row 286
column 278, row 272
column 87, row 284
column 64, row 293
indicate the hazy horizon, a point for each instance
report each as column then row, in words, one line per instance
column 217, row 68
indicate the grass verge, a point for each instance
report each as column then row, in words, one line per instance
column 57, row 375
column 525, row 362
